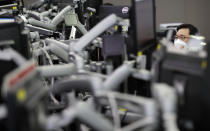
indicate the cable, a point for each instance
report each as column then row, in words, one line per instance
column 52, row 79
column 124, row 116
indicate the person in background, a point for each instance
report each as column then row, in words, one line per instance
column 183, row 35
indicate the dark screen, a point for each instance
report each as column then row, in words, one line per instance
column 5, row 2
column 143, row 23
column 16, row 32
column 121, row 11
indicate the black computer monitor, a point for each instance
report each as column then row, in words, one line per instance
column 121, row 11
column 186, row 73
column 15, row 31
column 5, row 2
column 143, row 21
column 13, row 34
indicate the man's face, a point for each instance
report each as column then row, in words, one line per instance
column 183, row 34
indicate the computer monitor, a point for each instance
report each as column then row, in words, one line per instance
column 15, row 31
column 121, row 11
column 186, row 73
column 5, row 2
column 143, row 21
column 13, row 34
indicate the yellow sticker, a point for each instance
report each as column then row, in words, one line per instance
column 204, row 64
column 123, row 109
column 91, row 13
column 116, row 27
column 158, row 46
column 140, row 53
column 21, row 95
column 14, row 7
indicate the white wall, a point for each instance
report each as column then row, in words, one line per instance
column 196, row 12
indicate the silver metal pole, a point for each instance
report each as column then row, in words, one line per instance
column 117, row 77
column 57, row 70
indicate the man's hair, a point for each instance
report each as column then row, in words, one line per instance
column 193, row 29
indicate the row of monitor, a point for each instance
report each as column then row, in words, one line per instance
column 142, row 17
column 143, row 21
